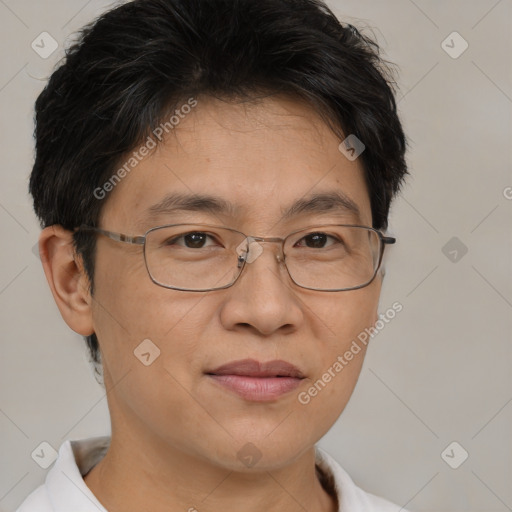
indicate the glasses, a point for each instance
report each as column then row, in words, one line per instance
column 204, row 257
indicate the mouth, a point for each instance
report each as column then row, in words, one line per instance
column 257, row 381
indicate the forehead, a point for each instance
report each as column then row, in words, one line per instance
column 266, row 162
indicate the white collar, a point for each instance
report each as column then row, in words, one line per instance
column 65, row 484
column 65, row 489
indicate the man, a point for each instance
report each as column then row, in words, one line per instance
column 214, row 179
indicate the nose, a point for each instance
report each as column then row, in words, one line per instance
column 263, row 299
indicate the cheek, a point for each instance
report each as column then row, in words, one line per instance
column 149, row 337
column 126, row 301
column 342, row 344
column 339, row 318
column 118, row 282
column 133, row 316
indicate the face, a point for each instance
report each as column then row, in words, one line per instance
column 262, row 158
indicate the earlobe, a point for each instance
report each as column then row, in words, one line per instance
column 67, row 278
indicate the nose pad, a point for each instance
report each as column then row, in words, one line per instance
column 250, row 249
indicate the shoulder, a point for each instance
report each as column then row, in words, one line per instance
column 378, row 504
column 37, row 501
column 64, row 488
column 350, row 496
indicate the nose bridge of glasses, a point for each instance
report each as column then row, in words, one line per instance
column 271, row 239
column 255, row 249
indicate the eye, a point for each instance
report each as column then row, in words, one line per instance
column 193, row 240
column 317, row 240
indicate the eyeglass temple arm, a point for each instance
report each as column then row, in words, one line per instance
column 388, row 239
column 118, row 237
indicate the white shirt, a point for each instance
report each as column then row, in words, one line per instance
column 64, row 489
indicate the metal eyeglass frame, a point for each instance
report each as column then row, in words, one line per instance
column 242, row 260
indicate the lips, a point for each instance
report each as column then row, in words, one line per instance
column 257, row 381
column 252, row 368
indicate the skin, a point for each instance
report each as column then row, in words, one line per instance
column 175, row 434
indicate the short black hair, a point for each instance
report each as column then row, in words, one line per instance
column 138, row 61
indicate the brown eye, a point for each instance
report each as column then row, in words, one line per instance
column 316, row 240
column 193, row 240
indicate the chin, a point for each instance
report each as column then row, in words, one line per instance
column 250, row 453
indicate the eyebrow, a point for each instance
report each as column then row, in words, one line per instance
column 325, row 202
column 319, row 203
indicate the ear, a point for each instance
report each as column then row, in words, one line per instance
column 67, row 278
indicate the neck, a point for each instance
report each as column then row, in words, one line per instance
column 133, row 477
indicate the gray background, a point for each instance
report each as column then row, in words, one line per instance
column 439, row 372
